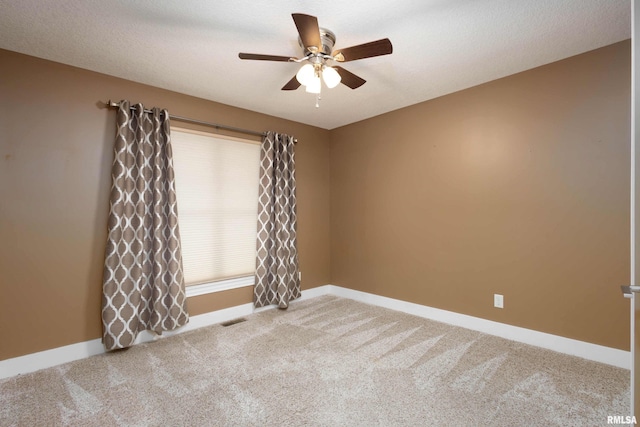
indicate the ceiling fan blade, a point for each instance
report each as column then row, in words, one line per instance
column 308, row 29
column 349, row 79
column 361, row 51
column 292, row 84
column 259, row 57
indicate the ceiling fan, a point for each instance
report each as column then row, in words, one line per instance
column 317, row 44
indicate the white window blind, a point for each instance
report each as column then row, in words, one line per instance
column 217, row 191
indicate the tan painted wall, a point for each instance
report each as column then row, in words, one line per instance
column 55, row 156
column 519, row 186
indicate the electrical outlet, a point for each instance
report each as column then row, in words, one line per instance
column 498, row 301
column 299, row 275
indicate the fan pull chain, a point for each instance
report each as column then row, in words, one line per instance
column 318, row 98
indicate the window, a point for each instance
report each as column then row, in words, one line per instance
column 217, row 191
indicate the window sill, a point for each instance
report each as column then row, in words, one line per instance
column 219, row 286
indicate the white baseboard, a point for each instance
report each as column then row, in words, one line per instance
column 48, row 358
column 597, row 353
column 315, row 292
column 611, row 356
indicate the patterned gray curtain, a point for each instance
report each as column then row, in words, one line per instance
column 143, row 286
column 277, row 280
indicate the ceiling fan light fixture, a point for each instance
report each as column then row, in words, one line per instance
column 305, row 74
column 331, row 77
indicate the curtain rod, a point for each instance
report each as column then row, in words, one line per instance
column 110, row 103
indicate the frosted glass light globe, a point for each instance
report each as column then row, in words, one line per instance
column 314, row 85
column 331, row 77
column 305, row 74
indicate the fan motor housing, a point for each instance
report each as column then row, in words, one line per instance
column 328, row 40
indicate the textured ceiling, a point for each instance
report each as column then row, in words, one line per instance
column 440, row 46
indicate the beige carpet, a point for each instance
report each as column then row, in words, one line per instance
column 324, row 362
